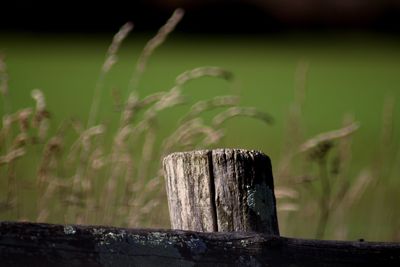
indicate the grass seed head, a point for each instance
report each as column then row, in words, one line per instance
column 241, row 111
column 151, row 46
column 324, row 138
column 203, row 72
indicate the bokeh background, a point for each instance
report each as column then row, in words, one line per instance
column 309, row 64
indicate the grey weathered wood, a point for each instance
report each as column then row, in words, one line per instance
column 221, row 190
column 190, row 191
column 33, row 244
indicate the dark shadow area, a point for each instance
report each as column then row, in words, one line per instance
column 238, row 16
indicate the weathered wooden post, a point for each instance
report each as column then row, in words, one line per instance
column 221, row 190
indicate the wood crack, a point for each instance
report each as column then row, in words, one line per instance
column 212, row 191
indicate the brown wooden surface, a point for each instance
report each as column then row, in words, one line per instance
column 31, row 244
column 221, row 190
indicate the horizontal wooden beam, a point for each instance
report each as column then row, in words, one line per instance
column 35, row 244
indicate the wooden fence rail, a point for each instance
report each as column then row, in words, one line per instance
column 32, row 244
column 222, row 207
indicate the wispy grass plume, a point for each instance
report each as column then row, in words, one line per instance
column 151, row 45
column 111, row 59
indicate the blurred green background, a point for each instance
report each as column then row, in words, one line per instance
column 347, row 75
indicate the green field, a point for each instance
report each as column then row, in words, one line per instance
column 348, row 75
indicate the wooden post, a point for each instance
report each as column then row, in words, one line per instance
column 221, row 190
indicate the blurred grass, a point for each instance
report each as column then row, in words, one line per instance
column 348, row 74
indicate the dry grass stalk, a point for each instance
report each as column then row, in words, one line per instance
column 12, row 156
column 43, row 205
column 196, row 73
column 294, row 129
column 40, row 120
column 147, row 152
column 168, row 100
column 151, row 45
column 217, row 102
column 84, row 169
column 157, row 103
column 338, row 189
column 388, row 120
column 119, row 162
column 20, row 117
column 318, row 148
column 3, row 77
column 189, row 138
column 328, row 136
column 111, row 59
column 119, row 37
column 7, row 122
column 23, row 117
column 184, row 137
column 241, row 111
column 340, row 167
column 88, row 135
column 146, row 127
column 134, row 104
column 358, row 188
column 4, row 90
column 50, row 152
column 162, row 101
column 176, row 136
column 129, row 110
column 386, row 142
column 150, row 99
column 286, row 192
column 85, row 141
column 334, row 181
column 301, row 84
column 15, row 151
column 288, row 207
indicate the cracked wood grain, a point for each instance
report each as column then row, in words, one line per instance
column 221, row 190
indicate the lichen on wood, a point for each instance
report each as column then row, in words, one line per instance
column 221, row 190
column 34, row 244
